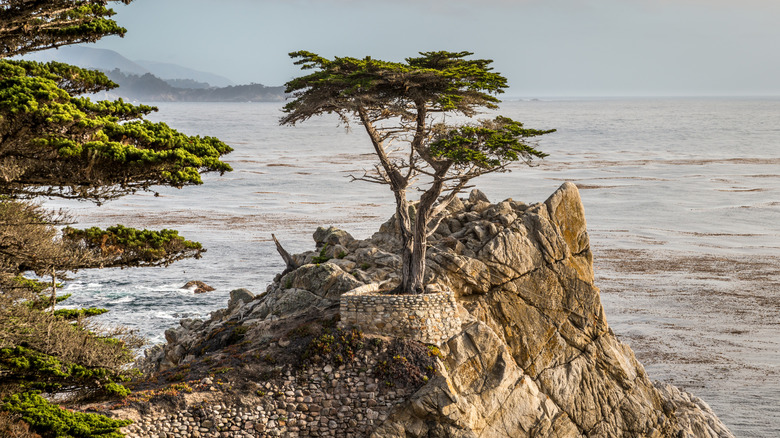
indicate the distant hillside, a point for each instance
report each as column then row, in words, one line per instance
column 88, row 57
column 187, row 83
column 158, row 81
column 169, row 72
column 150, row 88
column 108, row 60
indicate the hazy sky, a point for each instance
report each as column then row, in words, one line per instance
column 544, row 47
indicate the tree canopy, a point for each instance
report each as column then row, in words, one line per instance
column 404, row 108
column 30, row 25
column 54, row 142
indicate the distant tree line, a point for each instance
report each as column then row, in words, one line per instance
column 151, row 88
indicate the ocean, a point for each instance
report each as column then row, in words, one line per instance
column 682, row 200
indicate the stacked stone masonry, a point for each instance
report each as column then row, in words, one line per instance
column 430, row 318
column 344, row 401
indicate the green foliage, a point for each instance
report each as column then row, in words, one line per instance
column 322, row 257
column 338, row 348
column 56, row 143
column 73, row 147
column 26, row 365
column 123, row 246
column 30, row 26
column 492, row 144
column 31, row 284
column 72, row 79
column 71, row 314
column 116, row 389
column 222, row 370
column 43, row 302
column 46, row 417
column 446, row 80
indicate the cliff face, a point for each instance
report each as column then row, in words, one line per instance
column 535, row 357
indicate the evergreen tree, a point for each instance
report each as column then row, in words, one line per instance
column 55, row 143
column 30, row 25
column 403, row 108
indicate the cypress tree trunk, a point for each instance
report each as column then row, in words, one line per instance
column 407, row 240
column 414, row 282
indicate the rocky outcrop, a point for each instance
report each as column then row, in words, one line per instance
column 197, row 287
column 535, row 356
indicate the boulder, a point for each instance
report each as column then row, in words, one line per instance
column 332, row 236
column 197, row 286
column 238, row 297
column 476, row 196
column 326, row 280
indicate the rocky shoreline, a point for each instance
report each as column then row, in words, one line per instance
column 534, row 355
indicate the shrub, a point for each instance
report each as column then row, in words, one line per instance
column 71, row 314
column 407, row 363
column 323, row 257
column 46, row 417
column 237, row 334
column 337, row 348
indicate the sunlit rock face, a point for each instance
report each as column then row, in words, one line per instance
column 536, row 357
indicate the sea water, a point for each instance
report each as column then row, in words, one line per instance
column 682, row 200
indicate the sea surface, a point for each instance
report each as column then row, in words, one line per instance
column 682, row 199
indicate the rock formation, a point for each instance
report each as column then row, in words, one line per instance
column 197, row 287
column 535, row 357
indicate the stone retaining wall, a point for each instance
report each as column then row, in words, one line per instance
column 344, row 401
column 431, row 318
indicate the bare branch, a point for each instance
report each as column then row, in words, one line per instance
column 434, row 226
column 291, row 265
column 444, row 202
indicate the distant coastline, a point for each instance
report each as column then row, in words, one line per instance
column 148, row 87
column 151, row 81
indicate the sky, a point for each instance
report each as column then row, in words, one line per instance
column 543, row 47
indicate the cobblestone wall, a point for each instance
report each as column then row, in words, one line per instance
column 431, row 318
column 344, row 401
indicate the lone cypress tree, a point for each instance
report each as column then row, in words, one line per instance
column 405, row 105
column 55, row 143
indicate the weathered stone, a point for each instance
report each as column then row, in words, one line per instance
column 476, row 195
column 238, row 297
column 325, row 280
column 332, row 236
column 198, row 287
column 455, row 206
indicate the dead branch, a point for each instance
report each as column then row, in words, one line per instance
column 291, row 265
